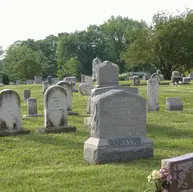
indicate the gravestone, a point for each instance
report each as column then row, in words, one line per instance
column 84, row 89
column 72, row 82
column 1, row 81
column 174, row 104
column 95, row 65
column 176, row 77
column 156, row 76
column 87, row 79
column 117, row 129
column 45, row 85
column 55, row 80
column 26, row 94
column 68, row 90
column 55, row 111
column 49, row 80
column 37, row 79
column 18, row 82
column 152, row 95
column 98, row 91
column 67, row 87
column 10, row 119
column 32, row 108
column 107, row 74
column 191, row 76
column 29, row 82
column 181, row 169
column 186, row 80
column 136, row 81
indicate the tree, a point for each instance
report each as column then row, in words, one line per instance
column 117, row 31
column 70, row 68
column 27, row 69
column 168, row 43
column 83, row 46
column 16, row 53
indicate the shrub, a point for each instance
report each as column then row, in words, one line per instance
column 5, row 78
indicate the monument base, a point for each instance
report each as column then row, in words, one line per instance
column 72, row 113
column 87, row 123
column 13, row 132
column 56, row 130
column 30, row 116
column 112, row 150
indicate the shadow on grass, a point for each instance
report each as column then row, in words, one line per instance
column 53, row 139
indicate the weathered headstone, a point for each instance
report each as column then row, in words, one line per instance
column 84, row 89
column 152, row 95
column 118, row 129
column 87, row 79
column 186, row 80
column 181, row 169
column 55, row 80
column 38, row 79
column 156, row 76
column 55, row 111
column 95, row 65
column 18, row 82
column 176, row 77
column 10, row 119
column 32, row 108
column 45, row 85
column 1, row 81
column 107, row 74
column 72, row 81
column 26, row 94
column 136, row 81
column 68, row 90
column 98, row 91
column 174, row 104
column 49, row 80
column 29, row 82
column 191, row 76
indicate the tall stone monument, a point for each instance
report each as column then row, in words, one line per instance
column 95, row 64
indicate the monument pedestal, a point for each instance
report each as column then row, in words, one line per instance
column 56, row 129
column 13, row 132
column 103, row 150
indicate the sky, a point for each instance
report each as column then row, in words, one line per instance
column 36, row 19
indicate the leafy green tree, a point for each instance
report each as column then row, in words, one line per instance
column 84, row 46
column 27, row 69
column 117, row 31
column 168, row 44
column 15, row 54
column 70, row 68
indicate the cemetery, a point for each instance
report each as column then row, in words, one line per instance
column 120, row 132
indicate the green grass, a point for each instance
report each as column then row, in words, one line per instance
column 54, row 163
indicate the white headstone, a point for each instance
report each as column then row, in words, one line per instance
column 10, row 117
column 152, row 95
column 45, row 85
column 55, row 111
column 84, row 89
column 95, row 64
column 87, row 79
column 38, row 79
column 67, row 87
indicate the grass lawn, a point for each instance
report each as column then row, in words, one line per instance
column 54, row 162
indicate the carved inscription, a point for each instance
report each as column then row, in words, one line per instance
column 123, row 111
column 125, row 141
column 55, row 105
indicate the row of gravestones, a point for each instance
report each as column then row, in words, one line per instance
column 56, row 109
column 178, row 78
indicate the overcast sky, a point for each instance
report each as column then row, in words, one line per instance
column 36, row 19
